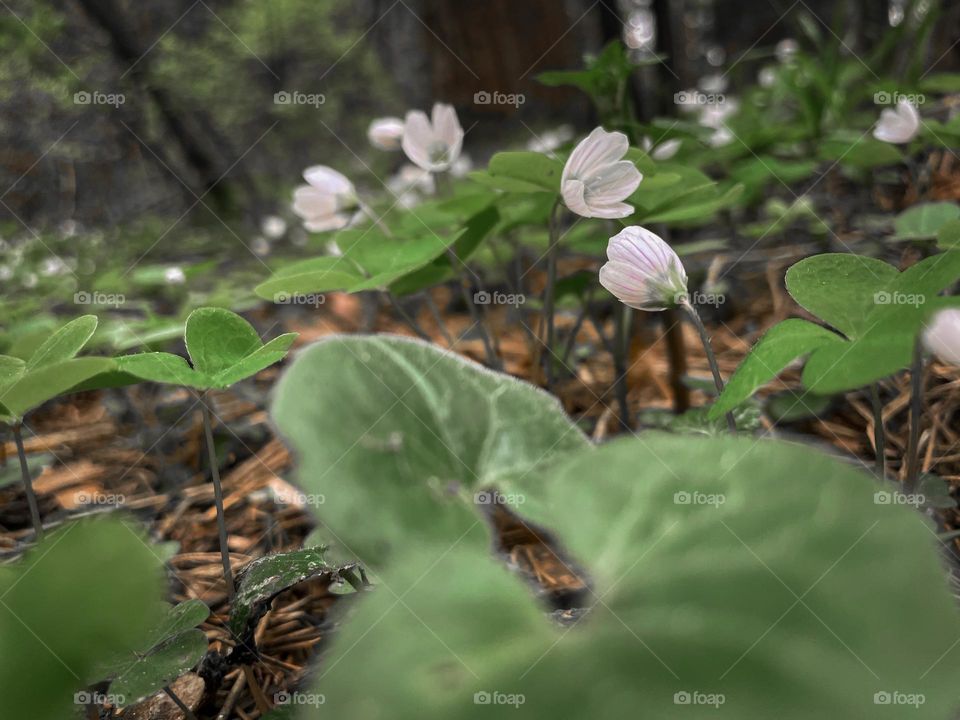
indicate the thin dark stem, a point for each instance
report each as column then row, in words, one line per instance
column 218, row 499
column 572, row 340
column 410, row 321
column 438, row 318
column 677, row 357
column 462, row 281
column 28, row 483
column 916, row 410
column 549, row 293
column 187, row 712
column 711, row 358
column 879, row 438
column 621, row 341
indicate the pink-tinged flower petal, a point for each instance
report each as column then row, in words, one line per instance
column 643, row 271
column 942, row 336
column 446, row 128
column 596, row 180
column 417, row 138
column 386, row 133
column 899, row 125
column 666, row 150
column 309, row 202
column 331, row 222
column 328, row 180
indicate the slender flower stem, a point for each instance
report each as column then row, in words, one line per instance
column 438, row 318
column 368, row 211
column 218, row 499
column 187, row 712
column 677, row 357
column 879, row 438
column 916, row 410
column 410, row 321
column 621, row 341
column 711, row 358
column 549, row 294
column 492, row 359
column 28, row 484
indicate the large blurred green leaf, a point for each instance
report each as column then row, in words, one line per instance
column 923, row 221
column 401, row 435
column 89, row 591
column 730, row 579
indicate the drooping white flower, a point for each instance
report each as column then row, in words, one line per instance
column 642, row 271
column 433, row 144
column 596, row 179
column 324, row 203
column 898, row 125
column 942, row 335
column 664, row 150
column 386, row 133
column 550, row 140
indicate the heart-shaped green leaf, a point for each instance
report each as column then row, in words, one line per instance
column 43, row 383
column 404, row 434
column 224, row 349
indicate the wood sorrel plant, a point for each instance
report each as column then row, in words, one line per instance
column 644, row 273
column 52, row 369
column 224, row 349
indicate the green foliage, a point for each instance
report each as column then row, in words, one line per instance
column 924, row 221
column 86, row 593
column 878, row 311
column 171, row 648
column 223, row 347
column 50, row 369
column 405, row 435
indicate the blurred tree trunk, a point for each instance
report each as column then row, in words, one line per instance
column 204, row 149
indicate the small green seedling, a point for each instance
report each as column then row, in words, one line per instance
column 224, row 349
column 51, row 370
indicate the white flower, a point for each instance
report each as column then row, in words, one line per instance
column 720, row 137
column 461, row 166
column 942, row 336
column 433, row 144
column 323, row 203
column 899, row 125
column 386, row 133
column 552, row 139
column 410, row 178
column 260, row 246
column 273, row 227
column 642, row 271
column 663, row 151
column 713, row 84
column 596, row 179
column 786, row 50
column 767, row 77
column 174, row 275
